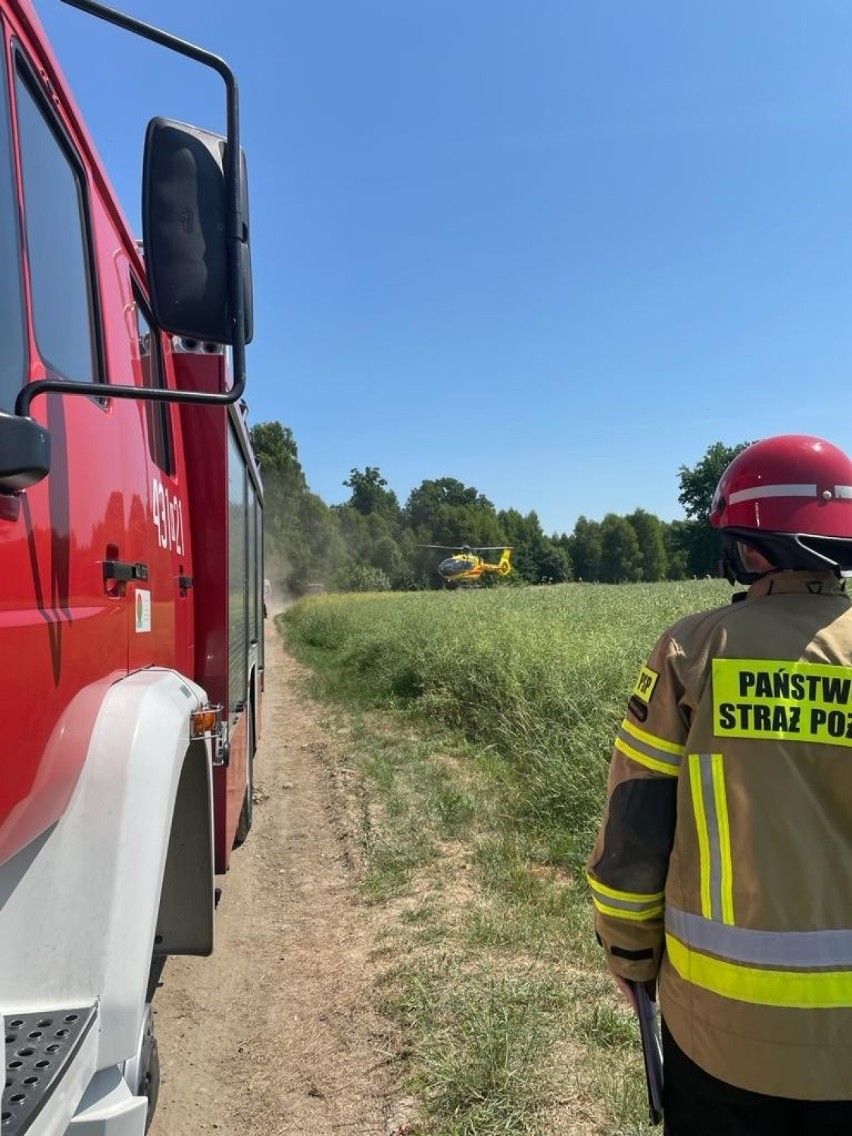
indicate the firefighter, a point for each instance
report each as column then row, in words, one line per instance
column 723, row 866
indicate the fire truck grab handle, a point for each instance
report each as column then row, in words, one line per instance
column 121, row 570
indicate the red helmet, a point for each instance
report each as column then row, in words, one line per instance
column 791, row 498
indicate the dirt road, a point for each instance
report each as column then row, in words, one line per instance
column 275, row 1034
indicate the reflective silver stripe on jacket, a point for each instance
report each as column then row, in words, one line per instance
column 783, row 949
column 606, row 898
column 641, row 746
column 707, row 783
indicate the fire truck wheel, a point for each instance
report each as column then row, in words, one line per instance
column 142, row 1073
column 150, row 1084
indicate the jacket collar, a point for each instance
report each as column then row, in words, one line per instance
column 815, row 583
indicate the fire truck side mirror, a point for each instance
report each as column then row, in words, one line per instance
column 185, row 232
column 24, row 453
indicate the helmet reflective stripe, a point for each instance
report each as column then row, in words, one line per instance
column 759, row 491
column 843, row 491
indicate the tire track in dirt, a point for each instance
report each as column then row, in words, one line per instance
column 276, row 1034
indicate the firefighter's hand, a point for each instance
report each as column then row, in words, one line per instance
column 626, row 989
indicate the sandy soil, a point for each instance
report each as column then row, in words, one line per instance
column 275, row 1033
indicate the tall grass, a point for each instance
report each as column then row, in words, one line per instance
column 539, row 674
column 480, row 793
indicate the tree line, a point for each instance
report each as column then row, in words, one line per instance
column 372, row 542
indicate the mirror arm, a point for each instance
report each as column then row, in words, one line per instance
column 236, row 227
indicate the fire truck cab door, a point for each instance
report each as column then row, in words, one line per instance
column 63, row 619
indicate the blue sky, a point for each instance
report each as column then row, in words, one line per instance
column 553, row 249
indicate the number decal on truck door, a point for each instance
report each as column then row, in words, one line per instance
column 168, row 517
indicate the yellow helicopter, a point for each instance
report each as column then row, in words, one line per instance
column 465, row 566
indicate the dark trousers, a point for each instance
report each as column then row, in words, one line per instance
column 697, row 1104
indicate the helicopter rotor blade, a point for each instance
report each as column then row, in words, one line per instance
column 471, row 547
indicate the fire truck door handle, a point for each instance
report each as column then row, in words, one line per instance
column 122, row 570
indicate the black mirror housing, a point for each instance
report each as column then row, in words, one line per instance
column 185, row 232
column 24, row 453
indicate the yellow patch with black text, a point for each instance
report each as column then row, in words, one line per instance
column 780, row 700
column 645, row 684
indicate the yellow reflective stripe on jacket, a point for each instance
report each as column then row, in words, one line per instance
column 709, row 803
column 726, row 883
column 649, row 750
column 625, row 904
column 701, row 832
column 629, row 896
column 808, row 990
column 652, row 739
column 620, row 913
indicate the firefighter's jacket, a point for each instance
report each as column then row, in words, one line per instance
column 724, row 862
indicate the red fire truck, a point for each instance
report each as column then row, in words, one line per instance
column 131, row 582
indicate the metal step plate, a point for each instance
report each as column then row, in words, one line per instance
column 39, row 1048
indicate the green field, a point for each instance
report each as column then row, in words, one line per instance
column 479, row 726
column 541, row 674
